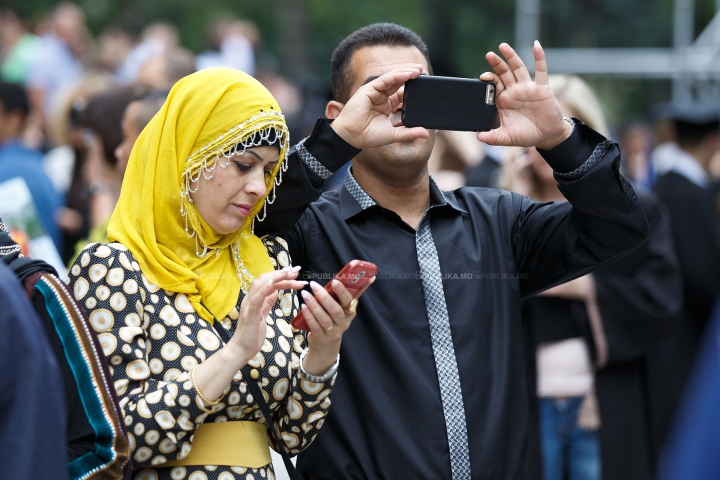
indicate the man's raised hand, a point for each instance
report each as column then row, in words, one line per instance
column 367, row 118
column 529, row 114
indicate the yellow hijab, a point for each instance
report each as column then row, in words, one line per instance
column 207, row 117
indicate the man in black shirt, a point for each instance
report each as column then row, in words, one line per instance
column 431, row 381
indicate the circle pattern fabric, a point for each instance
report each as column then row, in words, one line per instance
column 152, row 338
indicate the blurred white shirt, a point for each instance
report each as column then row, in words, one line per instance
column 564, row 368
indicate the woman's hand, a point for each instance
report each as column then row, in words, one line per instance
column 251, row 329
column 214, row 374
column 367, row 119
column 529, row 114
column 327, row 320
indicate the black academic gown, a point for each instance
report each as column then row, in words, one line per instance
column 639, row 298
column 694, row 226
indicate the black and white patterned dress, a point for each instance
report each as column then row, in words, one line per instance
column 153, row 338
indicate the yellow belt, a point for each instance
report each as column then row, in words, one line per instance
column 233, row 444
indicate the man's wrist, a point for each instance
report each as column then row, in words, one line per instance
column 574, row 151
column 339, row 128
column 564, row 134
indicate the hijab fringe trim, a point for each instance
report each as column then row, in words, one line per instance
column 261, row 129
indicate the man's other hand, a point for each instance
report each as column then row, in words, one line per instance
column 369, row 120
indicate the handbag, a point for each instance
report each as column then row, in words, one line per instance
column 260, row 400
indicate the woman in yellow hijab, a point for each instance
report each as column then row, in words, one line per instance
column 183, row 271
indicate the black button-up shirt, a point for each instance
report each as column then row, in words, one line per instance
column 493, row 248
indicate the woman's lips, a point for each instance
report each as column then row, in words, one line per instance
column 244, row 209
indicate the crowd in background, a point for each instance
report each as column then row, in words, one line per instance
column 625, row 338
column 69, row 117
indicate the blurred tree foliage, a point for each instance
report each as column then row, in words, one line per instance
column 299, row 35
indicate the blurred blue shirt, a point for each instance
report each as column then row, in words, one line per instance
column 16, row 160
column 52, row 69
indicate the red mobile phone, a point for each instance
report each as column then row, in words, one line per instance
column 355, row 275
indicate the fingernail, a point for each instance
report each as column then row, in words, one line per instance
column 296, row 268
column 306, row 296
column 335, row 283
column 303, row 307
column 315, row 286
column 537, row 43
column 302, row 281
column 270, row 282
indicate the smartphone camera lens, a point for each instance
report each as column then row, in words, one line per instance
column 490, row 95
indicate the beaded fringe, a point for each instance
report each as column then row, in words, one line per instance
column 264, row 128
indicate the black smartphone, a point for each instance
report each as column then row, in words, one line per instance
column 449, row 103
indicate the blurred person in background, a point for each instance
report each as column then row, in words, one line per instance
column 291, row 99
column 102, row 117
column 586, row 341
column 65, row 163
column 232, row 45
column 60, row 59
column 136, row 116
column 17, row 48
column 17, row 160
column 665, row 140
column 636, row 144
column 114, row 46
column 687, row 191
column 156, row 39
column 162, row 71
column 452, row 155
column 487, row 172
column 95, row 446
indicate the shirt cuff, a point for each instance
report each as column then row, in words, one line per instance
column 324, row 151
column 572, row 153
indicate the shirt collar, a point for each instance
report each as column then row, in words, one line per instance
column 685, row 164
column 354, row 199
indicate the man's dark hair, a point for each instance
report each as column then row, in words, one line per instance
column 13, row 97
column 691, row 134
column 377, row 34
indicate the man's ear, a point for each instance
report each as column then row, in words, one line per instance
column 333, row 109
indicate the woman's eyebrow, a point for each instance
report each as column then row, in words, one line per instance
column 256, row 155
column 259, row 157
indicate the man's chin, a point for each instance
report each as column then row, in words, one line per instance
column 415, row 151
column 419, row 145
